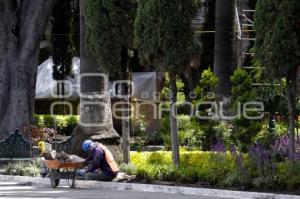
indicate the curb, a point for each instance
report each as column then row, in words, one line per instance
column 152, row 188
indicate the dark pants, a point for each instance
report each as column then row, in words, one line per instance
column 99, row 176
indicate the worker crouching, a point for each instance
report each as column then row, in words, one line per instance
column 101, row 163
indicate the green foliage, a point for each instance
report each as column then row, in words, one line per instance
column 138, row 130
column 274, row 97
column 198, row 135
column 277, row 36
column 165, row 132
column 163, row 33
column 236, row 178
column 271, row 94
column 138, row 125
column 48, row 121
column 137, row 143
column 190, row 133
column 219, row 169
column 23, row 168
column 223, row 131
column 8, row 169
column 205, row 91
column 246, row 131
column 166, row 92
column 129, row 169
column 242, row 88
column 208, row 79
column 196, row 165
column 191, row 137
column 109, row 30
column 242, row 92
column 265, row 137
column 69, row 125
column 37, row 120
column 63, row 124
column 154, row 138
column 215, row 131
column 207, row 85
column 281, row 128
column 288, row 175
column 209, row 135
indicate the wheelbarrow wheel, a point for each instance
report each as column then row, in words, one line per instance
column 53, row 180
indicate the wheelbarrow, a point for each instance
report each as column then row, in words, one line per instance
column 62, row 170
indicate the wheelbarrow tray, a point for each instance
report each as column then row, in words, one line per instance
column 55, row 164
column 55, row 174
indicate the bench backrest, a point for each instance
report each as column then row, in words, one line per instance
column 15, row 146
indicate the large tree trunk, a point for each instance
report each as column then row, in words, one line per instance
column 173, row 119
column 223, row 53
column 95, row 111
column 291, row 96
column 22, row 24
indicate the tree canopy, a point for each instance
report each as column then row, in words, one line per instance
column 278, row 36
column 109, row 27
column 277, row 24
column 163, row 36
column 163, row 32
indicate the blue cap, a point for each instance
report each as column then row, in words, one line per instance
column 86, row 145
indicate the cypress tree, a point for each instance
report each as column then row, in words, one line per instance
column 277, row 48
column 109, row 33
column 163, row 35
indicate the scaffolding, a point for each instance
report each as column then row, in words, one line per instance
column 244, row 17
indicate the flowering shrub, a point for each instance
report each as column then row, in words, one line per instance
column 258, row 169
column 36, row 134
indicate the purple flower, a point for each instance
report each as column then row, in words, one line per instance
column 239, row 157
column 219, row 146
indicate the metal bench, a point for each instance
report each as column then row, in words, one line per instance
column 16, row 147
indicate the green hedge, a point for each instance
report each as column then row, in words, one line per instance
column 23, row 168
column 217, row 169
column 63, row 124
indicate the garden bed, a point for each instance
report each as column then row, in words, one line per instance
column 198, row 169
column 229, row 170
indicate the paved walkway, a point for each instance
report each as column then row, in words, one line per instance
column 13, row 190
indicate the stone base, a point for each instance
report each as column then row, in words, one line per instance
column 109, row 138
